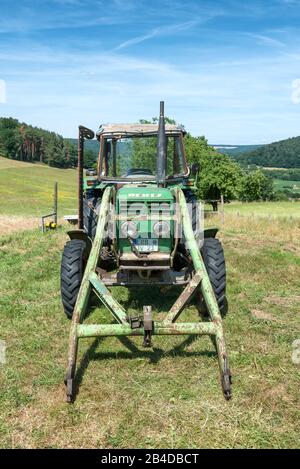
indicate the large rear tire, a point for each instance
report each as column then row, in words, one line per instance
column 72, row 269
column 214, row 260
column 91, row 207
column 192, row 202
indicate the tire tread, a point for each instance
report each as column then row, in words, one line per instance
column 71, row 273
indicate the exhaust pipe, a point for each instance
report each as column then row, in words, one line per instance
column 161, row 148
column 83, row 133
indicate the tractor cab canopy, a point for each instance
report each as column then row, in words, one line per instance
column 129, row 151
column 121, row 130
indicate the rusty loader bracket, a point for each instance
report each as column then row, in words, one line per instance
column 144, row 325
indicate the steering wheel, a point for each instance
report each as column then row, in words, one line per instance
column 137, row 171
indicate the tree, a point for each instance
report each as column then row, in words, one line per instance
column 218, row 173
column 24, row 142
column 89, row 158
column 256, row 186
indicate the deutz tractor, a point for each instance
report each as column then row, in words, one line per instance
column 139, row 225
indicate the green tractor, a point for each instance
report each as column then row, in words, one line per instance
column 139, row 224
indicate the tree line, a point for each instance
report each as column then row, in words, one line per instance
column 23, row 142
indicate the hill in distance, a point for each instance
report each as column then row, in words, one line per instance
column 282, row 154
column 234, row 150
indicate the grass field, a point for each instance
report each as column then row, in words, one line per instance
column 161, row 398
column 26, row 189
column 264, row 209
column 293, row 186
column 168, row 396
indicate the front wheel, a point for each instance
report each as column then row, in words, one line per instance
column 72, row 269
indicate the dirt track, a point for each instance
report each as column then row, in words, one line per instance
column 11, row 224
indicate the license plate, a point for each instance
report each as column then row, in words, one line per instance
column 146, row 245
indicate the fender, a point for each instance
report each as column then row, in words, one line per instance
column 210, row 232
column 81, row 234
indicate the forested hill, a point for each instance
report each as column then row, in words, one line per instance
column 20, row 141
column 234, row 150
column 282, row 154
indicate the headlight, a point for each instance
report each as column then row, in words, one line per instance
column 161, row 229
column 129, row 228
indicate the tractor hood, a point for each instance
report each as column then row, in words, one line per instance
column 142, row 193
column 144, row 207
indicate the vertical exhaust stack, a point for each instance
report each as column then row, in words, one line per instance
column 161, row 148
column 80, row 177
column 83, row 132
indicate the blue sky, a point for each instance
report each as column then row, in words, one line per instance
column 229, row 70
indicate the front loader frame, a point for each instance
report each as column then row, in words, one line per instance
column 125, row 325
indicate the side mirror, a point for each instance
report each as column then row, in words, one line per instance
column 195, row 167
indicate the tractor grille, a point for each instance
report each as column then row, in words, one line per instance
column 162, row 209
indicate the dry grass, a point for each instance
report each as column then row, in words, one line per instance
column 264, row 315
column 6, row 163
column 13, row 224
column 161, row 398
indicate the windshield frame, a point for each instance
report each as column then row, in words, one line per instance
column 143, row 178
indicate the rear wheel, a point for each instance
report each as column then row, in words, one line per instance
column 91, row 207
column 214, row 260
column 192, row 202
column 72, row 268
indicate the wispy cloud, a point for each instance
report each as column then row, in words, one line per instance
column 138, row 39
column 92, row 87
column 162, row 31
column 58, row 14
column 224, row 68
column 266, row 40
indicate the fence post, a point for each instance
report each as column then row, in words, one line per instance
column 222, row 210
column 55, row 203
